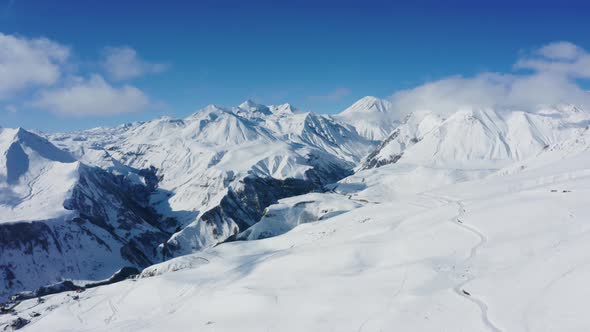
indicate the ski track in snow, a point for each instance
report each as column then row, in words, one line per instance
column 114, row 312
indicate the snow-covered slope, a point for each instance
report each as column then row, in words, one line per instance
column 508, row 252
column 61, row 219
column 35, row 177
column 372, row 117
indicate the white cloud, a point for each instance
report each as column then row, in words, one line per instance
column 122, row 63
column 551, row 80
column 93, row 96
column 560, row 51
column 40, row 67
column 29, row 62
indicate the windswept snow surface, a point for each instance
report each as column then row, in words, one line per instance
column 506, row 252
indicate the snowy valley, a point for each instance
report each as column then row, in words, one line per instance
column 252, row 217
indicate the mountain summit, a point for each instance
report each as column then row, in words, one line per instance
column 373, row 118
column 368, row 104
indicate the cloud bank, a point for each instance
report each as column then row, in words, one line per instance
column 38, row 72
column 26, row 63
column 544, row 77
column 93, row 96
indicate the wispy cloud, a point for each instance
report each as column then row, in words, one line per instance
column 332, row 96
column 560, row 59
column 550, row 78
column 123, row 63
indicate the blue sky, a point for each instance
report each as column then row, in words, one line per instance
column 317, row 55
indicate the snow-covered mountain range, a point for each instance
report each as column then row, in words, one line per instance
column 426, row 221
column 219, row 168
column 153, row 190
column 476, row 138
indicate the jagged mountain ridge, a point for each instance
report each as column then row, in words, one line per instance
column 211, row 163
column 148, row 191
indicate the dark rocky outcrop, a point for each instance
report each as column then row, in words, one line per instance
column 123, row 274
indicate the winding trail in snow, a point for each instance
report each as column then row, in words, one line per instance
column 459, row 288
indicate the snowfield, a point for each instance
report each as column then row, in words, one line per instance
column 505, row 252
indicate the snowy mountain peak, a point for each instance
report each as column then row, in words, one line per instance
column 35, row 176
column 67, row 220
column 248, row 103
column 285, row 108
column 369, row 104
column 251, row 106
column 29, row 143
column 212, row 108
column 372, row 117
